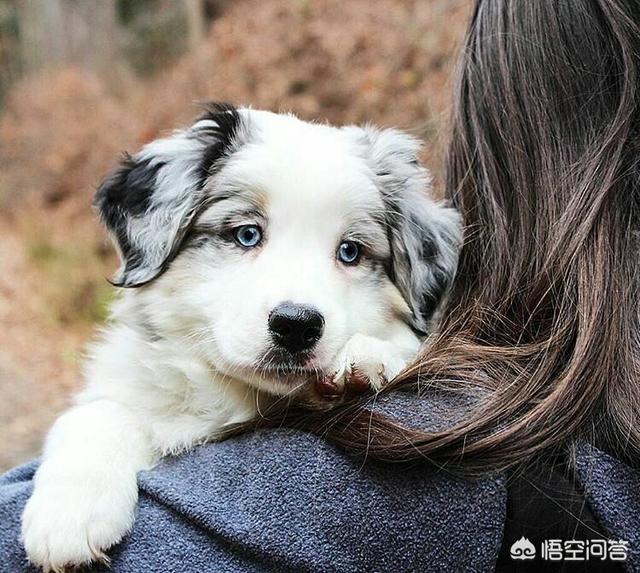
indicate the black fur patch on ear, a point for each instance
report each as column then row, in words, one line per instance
column 126, row 193
column 423, row 237
column 129, row 188
column 227, row 122
column 407, row 256
column 441, row 277
column 149, row 202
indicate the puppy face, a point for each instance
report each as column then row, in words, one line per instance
column 268, row 242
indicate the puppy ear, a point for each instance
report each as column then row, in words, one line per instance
column 149, row 202
column 424, row 235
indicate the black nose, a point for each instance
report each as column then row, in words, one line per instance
column 295, row 327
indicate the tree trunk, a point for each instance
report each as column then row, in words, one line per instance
column 195, row 22
column 63, row 32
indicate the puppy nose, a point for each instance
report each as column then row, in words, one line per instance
column 295, row 327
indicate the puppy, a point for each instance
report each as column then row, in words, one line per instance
column 260, row 254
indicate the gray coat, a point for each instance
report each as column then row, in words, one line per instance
column 283, row 500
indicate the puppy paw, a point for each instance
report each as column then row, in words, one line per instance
column 73, row 517
column 364, row 364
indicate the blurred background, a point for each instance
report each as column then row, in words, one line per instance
column 81, row 81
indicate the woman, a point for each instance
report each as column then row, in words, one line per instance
column 530, row 392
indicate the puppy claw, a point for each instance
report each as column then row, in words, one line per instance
column 327, row 388
column 98, row 555
column 357, row 382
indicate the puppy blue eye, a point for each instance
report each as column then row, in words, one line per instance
column 247, row 236
column 349, row 252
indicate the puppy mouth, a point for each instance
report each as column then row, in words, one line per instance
column 286, row 371
column 287, row 366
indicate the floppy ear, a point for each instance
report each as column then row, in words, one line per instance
column 424, row 235
column 149, row 202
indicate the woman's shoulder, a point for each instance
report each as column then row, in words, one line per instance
column 294, row 501
column 288, row 500
column 285, row 500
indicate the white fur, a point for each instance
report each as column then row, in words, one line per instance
column 177, row 363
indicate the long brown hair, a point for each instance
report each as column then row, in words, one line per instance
column 544, row 165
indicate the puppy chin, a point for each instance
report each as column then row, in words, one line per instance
column 281, row 373
column 279, row 382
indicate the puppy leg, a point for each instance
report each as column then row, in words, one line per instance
column 85, row 491
column 370, row 361
column 366, row 363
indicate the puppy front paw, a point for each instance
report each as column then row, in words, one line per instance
column 73, row 518
column 365, row 363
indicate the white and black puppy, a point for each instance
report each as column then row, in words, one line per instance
column 259, row 254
